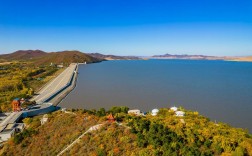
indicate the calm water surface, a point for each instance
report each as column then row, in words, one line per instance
column 219, row 90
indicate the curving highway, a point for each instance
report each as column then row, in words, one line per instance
column 55, row 85
column 47, row 94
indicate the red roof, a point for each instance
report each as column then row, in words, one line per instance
column 110, row 117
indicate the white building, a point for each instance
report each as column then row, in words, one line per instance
column 60, row 65
column 134, row 112
column 174, row 109
column 6, row 134
column 180, row 113
column 10, row 130
column 63, row 109
column 154, row 112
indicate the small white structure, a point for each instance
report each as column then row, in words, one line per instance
column 63, row 109
column 134, row 112
column 174, row 109
column 44, row 119
column 154, row 112
column 180, row 113
column 6, row 134
column 95, row 128
column 10, row 130
column 60, row 66
column 18, row 127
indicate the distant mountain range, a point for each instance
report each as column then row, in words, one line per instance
column 185, row 56
column 41, row 57
column 201, row 57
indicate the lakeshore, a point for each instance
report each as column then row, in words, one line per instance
column 177, row 120
column 54, row 95
column 217, row 89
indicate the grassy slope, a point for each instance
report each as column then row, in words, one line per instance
column 40, row 57
column 16, row 81
column 23, row 55
column 61, row 129
column 112, row 139
column 113, row 57
column 66, row 57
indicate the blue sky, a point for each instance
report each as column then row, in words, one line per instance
column 128, row 27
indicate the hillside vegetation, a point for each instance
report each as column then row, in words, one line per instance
column 39, row 57
column 25, row 71
column 23, row 55
column 21, row 79
column 113, row 57
column 164, row 134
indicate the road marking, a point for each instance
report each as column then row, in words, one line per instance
column 55, row 88
column 44, row 89
column 63, row 78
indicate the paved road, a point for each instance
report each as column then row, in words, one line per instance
column 93, row 128
column 57, row 99
column 55, row 85
column 51, row 88
column 12, row 116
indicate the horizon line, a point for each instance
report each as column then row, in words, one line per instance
column 126, row 54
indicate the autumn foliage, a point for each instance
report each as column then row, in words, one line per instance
column 164, row 134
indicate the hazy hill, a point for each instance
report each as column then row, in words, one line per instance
column 23, row 55
column 41, row 57
column 183, row 55
column 113, row 57
column 193, row 57
column 247, row 59
column 66, row 57
column 203, row 57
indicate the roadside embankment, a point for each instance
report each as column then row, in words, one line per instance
column 67, row 89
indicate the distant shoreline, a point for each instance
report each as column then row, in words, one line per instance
column 163, row 58
column 201, row 57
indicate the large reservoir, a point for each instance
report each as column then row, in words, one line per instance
column 220, row 90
